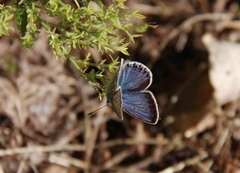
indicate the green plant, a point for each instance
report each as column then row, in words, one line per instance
column 79, row 24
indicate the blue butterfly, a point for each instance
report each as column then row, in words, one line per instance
column 127, row 93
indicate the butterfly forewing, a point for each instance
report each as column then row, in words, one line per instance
column 141, row 105
column 135, row 77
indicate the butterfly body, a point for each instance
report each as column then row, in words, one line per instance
column 127, row 92
column 114, row 96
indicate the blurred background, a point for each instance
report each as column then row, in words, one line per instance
column 194, row 56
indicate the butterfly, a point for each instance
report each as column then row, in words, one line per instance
column 127, row 92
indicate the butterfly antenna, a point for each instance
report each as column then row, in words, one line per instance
column 96, row 110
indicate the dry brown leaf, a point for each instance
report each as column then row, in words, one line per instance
column 224, row 72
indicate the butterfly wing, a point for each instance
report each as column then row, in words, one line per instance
column 116, row 103
column 126, row 91
column 142, row 106
column 134, row 77
column 114, row 93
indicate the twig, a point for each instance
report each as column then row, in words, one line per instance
column 221, row 141
column 142, row 164
column 1, row 169
column 117, row 159
column 181, row 165
column 42, row 149
column 67, row 161
column 77, row 147
column 22, row 165
column 130, row 141
column 187, row 25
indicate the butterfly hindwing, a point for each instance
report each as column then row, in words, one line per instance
column 142, row 106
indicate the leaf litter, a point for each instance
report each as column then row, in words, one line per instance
column 44, row 125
